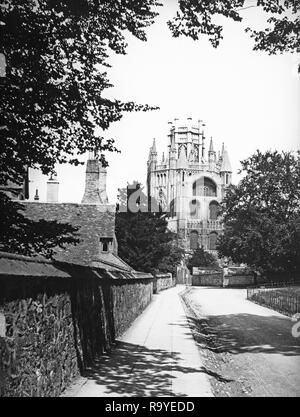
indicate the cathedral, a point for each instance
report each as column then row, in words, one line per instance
column 189, row 183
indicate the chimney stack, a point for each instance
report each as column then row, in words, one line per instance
column 95, row 183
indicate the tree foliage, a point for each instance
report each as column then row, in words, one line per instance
column 144, row 240
column 262, row 213
column 201, row 258
column 53, row 105
column 27, row 237
column 196, row 18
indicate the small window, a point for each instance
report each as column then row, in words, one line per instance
column 105, row 243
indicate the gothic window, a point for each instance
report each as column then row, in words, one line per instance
column 213, row 210
column 184, row 147
column 213, row 241
column 161, row 200
column 196, row 153
column 204, row 187
column 195, row 209
column 194, row 240
column 172, row 208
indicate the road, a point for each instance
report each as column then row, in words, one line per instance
column 248, row 348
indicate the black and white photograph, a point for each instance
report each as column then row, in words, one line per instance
column 149, row 201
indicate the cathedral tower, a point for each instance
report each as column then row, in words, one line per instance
column 190, row 183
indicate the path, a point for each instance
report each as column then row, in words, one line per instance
column 157, row 356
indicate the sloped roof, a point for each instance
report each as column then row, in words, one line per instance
column 13, row 266
column 92, row 221
column 18, row 265
column 110, row 261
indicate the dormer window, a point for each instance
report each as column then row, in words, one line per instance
column 106, row 244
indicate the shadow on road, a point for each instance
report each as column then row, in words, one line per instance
column 135, row 370
column 245, row 333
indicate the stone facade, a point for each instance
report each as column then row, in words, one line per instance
column 189, row 184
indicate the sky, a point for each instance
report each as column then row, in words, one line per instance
column 247, row 99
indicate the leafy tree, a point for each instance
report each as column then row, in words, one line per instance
column 53, row 105
column 175, row 253
column 53, row 102
column 144, row 240
column 196, row 18
column 24, row 236
column 201, row 258
column 262, row 213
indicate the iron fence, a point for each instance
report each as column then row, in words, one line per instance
column 285, row 299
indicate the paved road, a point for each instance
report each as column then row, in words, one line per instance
column 156, row 357
column 252, row 346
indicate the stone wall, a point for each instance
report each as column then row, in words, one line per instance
column 162, row 282
column 56, row 318
column 239, row 280
column 37, row 349
column 208, row 279
column 128, row 301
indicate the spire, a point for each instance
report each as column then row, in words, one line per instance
column 211, row 145
column 182, row 161
column 223, row 149
column 211, row 152
column 225, row 166
column 154, row 147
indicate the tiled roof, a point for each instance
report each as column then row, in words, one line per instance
column 93, row 221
